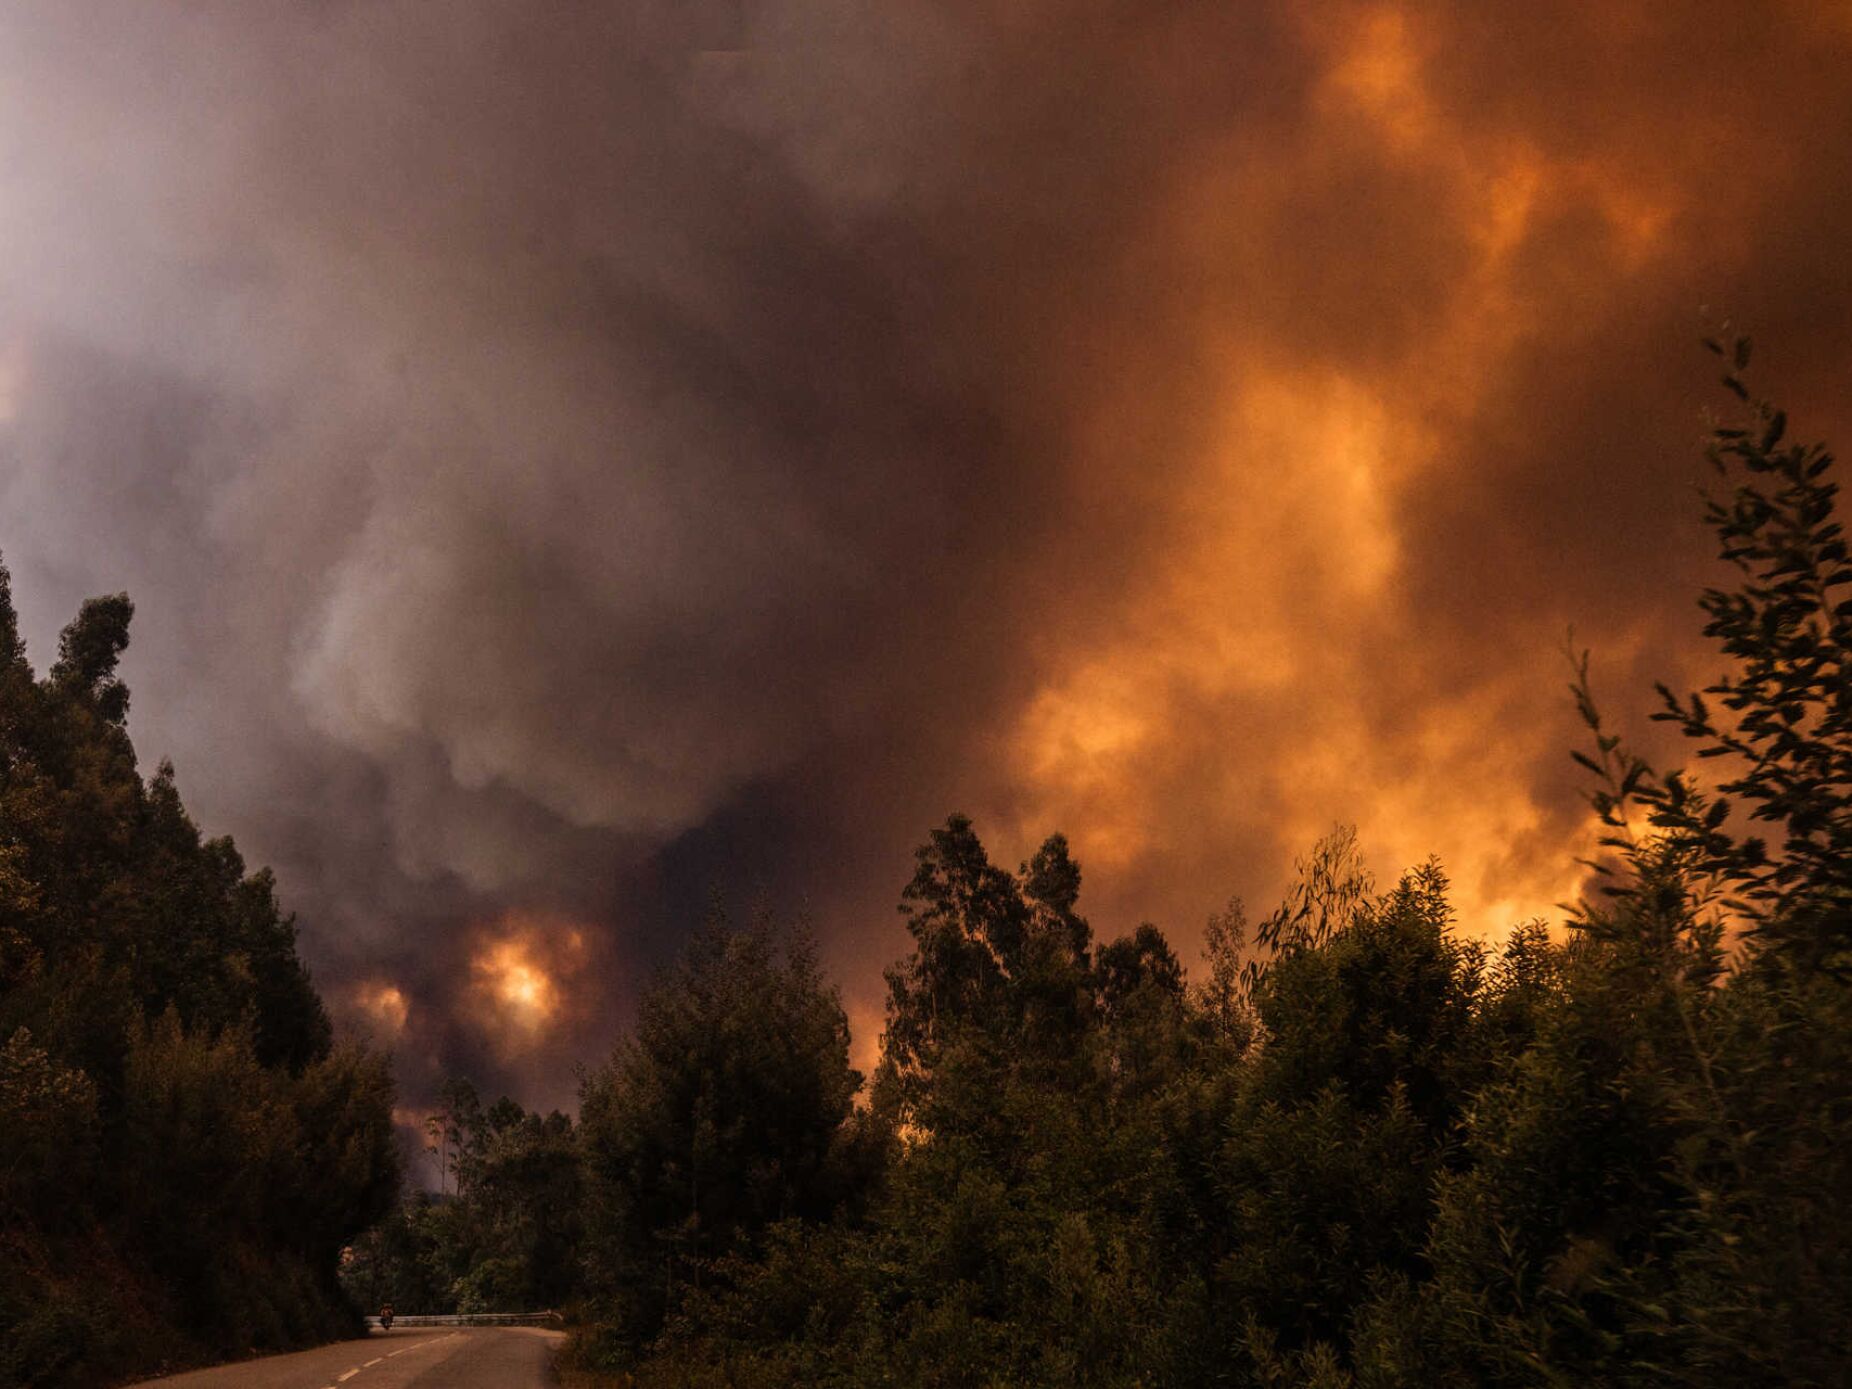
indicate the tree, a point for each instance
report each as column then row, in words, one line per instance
column 1753, row 1253
column 1785, row 726
column 1365, row 1152
column 183, row 1152
column 453, row 1134
column 722, row 1113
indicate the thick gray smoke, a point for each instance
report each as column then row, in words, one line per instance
column 570, row 457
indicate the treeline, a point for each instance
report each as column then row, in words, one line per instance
column 1355, row 1149
column 501, row 1234
column 1360, row 1150
column 184, row 1152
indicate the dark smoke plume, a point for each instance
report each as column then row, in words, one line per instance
column 569, row 458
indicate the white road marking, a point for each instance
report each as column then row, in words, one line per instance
column 342, row 1379
column 374, row 1361
column 415, row 1344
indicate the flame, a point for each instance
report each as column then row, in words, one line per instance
column 516, row 971
column 520, row 987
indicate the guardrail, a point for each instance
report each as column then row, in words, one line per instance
column 474, row 1319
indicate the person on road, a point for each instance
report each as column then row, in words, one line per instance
column 385, row 1317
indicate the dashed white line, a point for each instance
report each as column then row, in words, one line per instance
column 342, row 1379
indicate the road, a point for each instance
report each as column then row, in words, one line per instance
column 472, row 1357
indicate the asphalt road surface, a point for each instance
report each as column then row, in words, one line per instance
column 437, row 1357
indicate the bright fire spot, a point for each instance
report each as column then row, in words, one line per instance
column 523, row 988
column 385, row 1004
column 516, row 972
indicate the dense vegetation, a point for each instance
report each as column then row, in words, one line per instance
column 183, row 1151
column 502, row 1231
column 1361, row 1150
column 1358, row 1150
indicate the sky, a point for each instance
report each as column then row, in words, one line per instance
column 574, row 461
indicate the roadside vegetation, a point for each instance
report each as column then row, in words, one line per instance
column 184, row 1151
column 502, row 1232
column 1352, row 1149
column 1358, row 1149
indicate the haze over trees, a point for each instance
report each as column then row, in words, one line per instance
column 1353, row 1148
column 502, row 1233
column 184, row 1152
column 1362, row 1150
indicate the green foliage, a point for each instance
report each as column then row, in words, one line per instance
column 1349, row 1112
column 726, row 1110
column 1360, row 1152
column 1363, row 1151
column 1239, row 1187
column 183, row 1153
column 505, row 1238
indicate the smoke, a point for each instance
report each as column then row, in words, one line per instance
column 566, row 463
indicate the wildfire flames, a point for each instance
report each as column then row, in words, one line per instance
column 515, row 978
column 518, row 984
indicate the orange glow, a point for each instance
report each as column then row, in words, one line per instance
column 385, row 1005
column 867, row 1021
column 1185, row 427
column 517, row 982
column 1264, row 556
column 1377, row 73
column 516, row 974
column 1248, row 685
